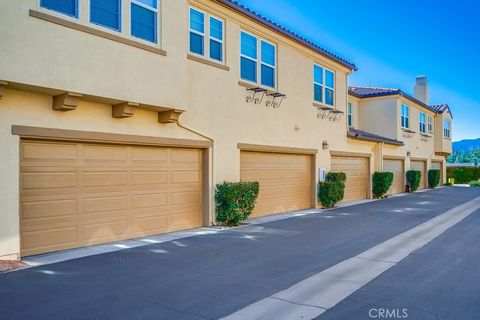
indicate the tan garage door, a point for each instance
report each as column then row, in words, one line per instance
column 78, row 194
column 438, row 166
column 356, row 186
column 420, row 166
column 285, row 180
column 395, row 166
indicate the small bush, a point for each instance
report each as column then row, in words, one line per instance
column 381, row 183
column 336, row 177
column 235, row 201
column 463, row 174
column 447, row 184
column 330, row 193
column 475, row 183
column 413, row 179
column 433, row 178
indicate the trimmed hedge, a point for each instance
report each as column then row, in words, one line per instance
column 381, row 183
column 475, row 183
column 463, row 174
column 433, row 178
column 235, row 201
column 332, row 190
column 413, row 179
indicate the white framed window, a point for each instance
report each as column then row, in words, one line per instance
column 323, row 85
column 350, row 114
column 144, row 19
column 423, row 125
column 430, row 124
column 446, row 129
column 206, row 44
column 216, row 39
column 251, row 48
column 405, row 116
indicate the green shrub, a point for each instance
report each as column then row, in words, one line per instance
column 463, row 174
column 475, row 183
column 433, row 178
column 413, row 179
column 235, row 201
column 447, row 184
column 330, row 193
column 336, row 177
column 381, row 182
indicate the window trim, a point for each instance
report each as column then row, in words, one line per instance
column 324, row 85
column 258, row 61
column 350, row 114
column 447, row 129
column 406, row 117
column 156, row 11
column 423, row 125
column 197, row 32
column 75, row 17
column 120, row 15
column 210, row 38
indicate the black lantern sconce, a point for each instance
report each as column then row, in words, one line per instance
column 325, row 145
column 409, row 153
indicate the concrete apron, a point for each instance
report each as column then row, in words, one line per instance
column 313, row 296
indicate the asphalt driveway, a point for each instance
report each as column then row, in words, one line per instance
column 211, row 276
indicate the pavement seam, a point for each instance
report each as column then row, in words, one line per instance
column 333, row 278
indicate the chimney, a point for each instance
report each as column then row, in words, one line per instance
column 421, row 91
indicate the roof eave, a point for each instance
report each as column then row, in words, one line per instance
column 291, row 35
column 359, row 137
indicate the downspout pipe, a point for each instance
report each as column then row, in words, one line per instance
column 212, row 174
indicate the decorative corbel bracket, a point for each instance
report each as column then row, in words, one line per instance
column 124, row 110
column 275, row 99
column 66, row 102
column 255, row 94
column 3, row 85
column 169, row 116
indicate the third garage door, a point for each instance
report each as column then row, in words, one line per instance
column 285, row 180
column 77, row 194
column 357, row 170
column 396, row 167
column 420, row 166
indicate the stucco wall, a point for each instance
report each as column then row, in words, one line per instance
column 377, row 115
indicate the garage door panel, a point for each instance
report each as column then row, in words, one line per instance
column 285, row 180
column 397, row 168
column 356, row 169
column 34, row 152
column 104, row 195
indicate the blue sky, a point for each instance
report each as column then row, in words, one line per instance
column 392, row 42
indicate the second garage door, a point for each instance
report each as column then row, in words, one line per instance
column 396, row 167
column 357, row 170
column 438, row 166
column 285, row 180
column 420, row 166
column 78, row 194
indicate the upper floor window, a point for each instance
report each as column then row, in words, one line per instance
column 350, row 114
column 251, row 49
column 144, row 19
column 323, row 85
column 198, row 25
column 430, row 124
column 67, row 7
column 106, row 13
column 446, row 129
column 405, row 118
column 423, row 126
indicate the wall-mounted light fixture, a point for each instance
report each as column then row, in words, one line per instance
column 325, row 145
column 409, row 153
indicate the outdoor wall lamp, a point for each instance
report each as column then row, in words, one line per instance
column 325, row 145
column 409, row 153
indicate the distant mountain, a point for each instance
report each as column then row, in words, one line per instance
column 466, row 145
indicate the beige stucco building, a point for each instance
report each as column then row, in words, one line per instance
column 118, row 122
